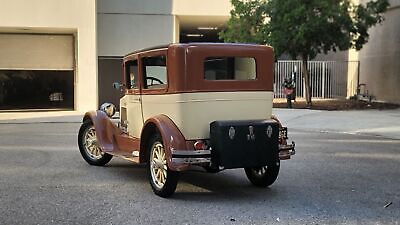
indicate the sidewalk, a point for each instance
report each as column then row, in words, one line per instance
column 41, row 117
column 385, row 123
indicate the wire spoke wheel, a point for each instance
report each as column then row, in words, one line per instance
column 89, row 146
column 163, row 180
column 158, row 165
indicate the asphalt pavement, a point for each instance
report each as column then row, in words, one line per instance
column 346, row 171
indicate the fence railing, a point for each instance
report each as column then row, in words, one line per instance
column 328, row 79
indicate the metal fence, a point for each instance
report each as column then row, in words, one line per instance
column 328, row 79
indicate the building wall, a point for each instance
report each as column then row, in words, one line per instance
column 379, row 58
column 190, row 15
column 126, row 25
column 202, row 7
column 77, row 17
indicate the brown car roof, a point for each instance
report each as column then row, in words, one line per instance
column 159, row 47
column 189, row 76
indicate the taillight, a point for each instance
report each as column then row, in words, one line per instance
column 200, row 145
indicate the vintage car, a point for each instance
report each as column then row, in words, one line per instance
column 192, row 106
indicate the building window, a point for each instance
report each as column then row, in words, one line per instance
column 229, row 68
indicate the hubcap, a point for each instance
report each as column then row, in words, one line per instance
column 90, row 144
column 158, row 165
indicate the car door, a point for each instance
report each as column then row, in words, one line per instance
column 155, row 100
column 131, row 103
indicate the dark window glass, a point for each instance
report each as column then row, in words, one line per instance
column 229, row 68
column 36, row 89
column 131, row 74
column 155, row 72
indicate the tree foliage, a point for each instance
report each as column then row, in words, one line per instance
column 303, row 28
column 247, row 22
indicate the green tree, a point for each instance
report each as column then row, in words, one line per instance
column 303, row 28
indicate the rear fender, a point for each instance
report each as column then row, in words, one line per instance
column 171, row 136
column 281, row 141
column 285, row 150
column 273, row 117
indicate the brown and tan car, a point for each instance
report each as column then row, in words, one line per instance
column 188, row 107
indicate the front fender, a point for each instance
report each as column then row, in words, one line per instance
column 105, row 130
column 171, row 136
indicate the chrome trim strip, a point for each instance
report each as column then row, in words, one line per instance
column 286, row 147
column 285, row 151
column 191, row 160
column 190, row 153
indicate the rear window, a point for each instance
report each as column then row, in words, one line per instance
column 229, row 68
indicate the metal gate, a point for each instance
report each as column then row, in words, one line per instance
column 328, row 79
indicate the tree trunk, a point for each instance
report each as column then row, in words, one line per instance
column 306, row 77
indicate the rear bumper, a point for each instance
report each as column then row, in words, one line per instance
column 286, row 151
column 204, row 156
column 190, row 156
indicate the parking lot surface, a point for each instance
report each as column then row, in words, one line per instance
column 335, row 178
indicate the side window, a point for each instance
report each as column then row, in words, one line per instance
column 131, row 74
column 154, row 72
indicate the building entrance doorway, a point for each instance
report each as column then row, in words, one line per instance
column 36, row 89
column 200, row 28
column 36, row 71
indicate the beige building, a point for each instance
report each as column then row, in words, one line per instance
column 380, row 57
column 58, row 54
column 47, row 54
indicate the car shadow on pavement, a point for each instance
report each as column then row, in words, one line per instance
column 229, row 185
column 126, row 171
column 224, row 186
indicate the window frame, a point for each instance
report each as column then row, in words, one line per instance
column 142, row 71
column 130, row 91
column 127, row 80
column 230, row 67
